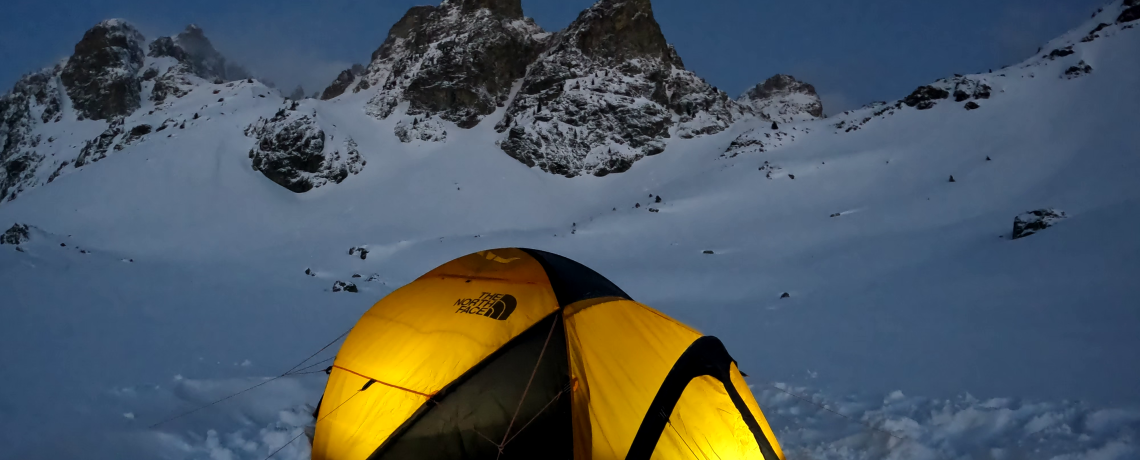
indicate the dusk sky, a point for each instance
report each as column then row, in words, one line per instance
column 853, row 52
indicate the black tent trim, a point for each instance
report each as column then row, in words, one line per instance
column 705, row 356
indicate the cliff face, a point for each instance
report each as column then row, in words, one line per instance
column 102, row 75
column 455, row 62
column 607, row 92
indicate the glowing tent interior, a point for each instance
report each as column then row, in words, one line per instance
column 520, row 354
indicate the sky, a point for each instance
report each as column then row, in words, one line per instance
column 853, row 52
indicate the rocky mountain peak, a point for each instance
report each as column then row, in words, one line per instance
column 620, row 30
column 506, row 8
column 101, row 76
column 192, row 49
column 608, row 91
column 447, row 64
column 783, row 98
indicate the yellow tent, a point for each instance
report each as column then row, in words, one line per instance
column 523, row 354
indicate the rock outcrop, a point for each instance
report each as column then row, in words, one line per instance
column 961, row 87
column 784, row 99
column 293, row 151
column 34, row 100
column 102, row 75
column 1034, row 221
column 16, row 234
column 343, row 81
column 1130, row 13
column 607, row 92
column 457, row 61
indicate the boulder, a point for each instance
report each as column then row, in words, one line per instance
column 925, row 97
column 1077, row 71
column 1061, row 52
column 292, row 151
column 1034, row 221
column 343, row 286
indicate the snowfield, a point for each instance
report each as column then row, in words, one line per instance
column 171, row 273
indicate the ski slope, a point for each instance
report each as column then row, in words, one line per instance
column 911, row 312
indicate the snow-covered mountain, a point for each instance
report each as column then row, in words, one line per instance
column 175, row 238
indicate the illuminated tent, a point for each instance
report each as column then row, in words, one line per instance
column 523, row 354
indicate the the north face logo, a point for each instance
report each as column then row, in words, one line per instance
column 494, row 306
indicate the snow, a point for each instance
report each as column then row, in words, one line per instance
column 915, row 316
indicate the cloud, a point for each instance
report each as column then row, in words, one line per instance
column 835, row 102
column 271, row 49
column 286, row 68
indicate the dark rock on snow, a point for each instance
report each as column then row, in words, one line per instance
column 607, row 92
column 292, row 151
column 1077, row 71
column 102, row 75
column 925, row 97
column 1034, row 221
column 972, row 105
column 783, row 98
column 343, row 286
column 17, row 234
column 19, row 161
column 1062, row 52
column 1130, row 14
column 456, row 61
column 341, row 84
column 962, row 87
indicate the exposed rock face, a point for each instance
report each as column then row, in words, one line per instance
column 193, row 50
column 102, row 76
column 96, row 149
column 34, row 100
column 1034, row 221
column 925, row 97
column 457, row 61
column 783, row 98
column 1131, row 13
column 340, row 85
column 608, row 91
column 1077, row 71
column 292, row 150
column 963, row 88
column 17, row 234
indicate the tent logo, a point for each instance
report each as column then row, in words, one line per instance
column 494, row 306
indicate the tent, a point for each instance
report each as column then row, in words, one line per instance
column 524, row 354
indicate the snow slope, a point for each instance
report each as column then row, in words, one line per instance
column 911, row 311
